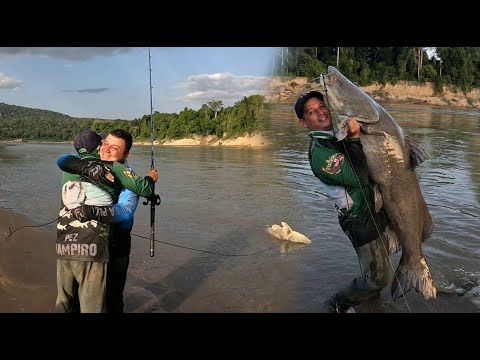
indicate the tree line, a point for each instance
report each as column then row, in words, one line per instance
column 456, row 67
column 213, row 118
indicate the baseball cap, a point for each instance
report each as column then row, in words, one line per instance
column 87, row 141
column 303, row 98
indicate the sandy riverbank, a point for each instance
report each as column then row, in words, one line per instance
column 256, row 140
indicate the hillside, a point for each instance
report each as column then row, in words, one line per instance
column 8, row 112
column 18, row 122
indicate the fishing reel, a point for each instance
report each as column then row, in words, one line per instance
column 154, row 200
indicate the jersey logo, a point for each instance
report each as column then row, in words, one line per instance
column 130, row 173
column 333, row 164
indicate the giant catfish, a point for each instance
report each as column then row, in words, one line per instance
column 392, row 158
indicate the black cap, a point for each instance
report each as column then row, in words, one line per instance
column 87, row 141
column 302, row 99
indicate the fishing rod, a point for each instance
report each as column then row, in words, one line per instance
column 154, row 199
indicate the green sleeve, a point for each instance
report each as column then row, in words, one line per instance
column 128, row 179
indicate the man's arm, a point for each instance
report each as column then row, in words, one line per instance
column 98, row 170
column 93, row 169
column 122, row 211
column 143, row 186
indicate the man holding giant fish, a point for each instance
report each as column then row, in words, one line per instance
column 367, row 171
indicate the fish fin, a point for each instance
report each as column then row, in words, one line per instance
column 427, row 227
column 378, row 199
column 342, row 127
column 419, row 279
column 392, row 242
column 417, row 153
column 286, row 228
column 297, row 237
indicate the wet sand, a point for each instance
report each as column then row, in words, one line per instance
column 27, row 266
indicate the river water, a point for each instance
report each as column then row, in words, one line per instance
column 212, row 252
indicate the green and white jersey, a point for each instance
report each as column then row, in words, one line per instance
column 343, row 181
column 342, row 168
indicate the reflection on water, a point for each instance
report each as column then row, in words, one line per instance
column 221, row 199
column 9, row 153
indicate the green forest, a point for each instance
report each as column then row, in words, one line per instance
column 457, row 67
column 213, row 118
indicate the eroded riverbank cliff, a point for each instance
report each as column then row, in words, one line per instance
column 286, row 89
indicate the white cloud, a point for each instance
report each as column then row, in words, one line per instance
column 9, row 83
column 68, row 53
column 221, row 86
column 432, row 52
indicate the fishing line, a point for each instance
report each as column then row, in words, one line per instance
column 365, row 199
column 84, row 178
column 204, row 251
column 143, row 237
column 345, row 190
column 383, row 242
column 27, row 226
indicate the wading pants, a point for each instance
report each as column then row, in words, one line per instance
column 375, row 275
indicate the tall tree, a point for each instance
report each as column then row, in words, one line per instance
column 419, row 61
column 215, row 106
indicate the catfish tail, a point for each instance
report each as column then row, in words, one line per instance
column 419, row 278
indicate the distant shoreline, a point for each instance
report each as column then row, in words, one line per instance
column 256, row 140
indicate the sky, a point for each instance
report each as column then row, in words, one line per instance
column 432, row 52
column 114, row 83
